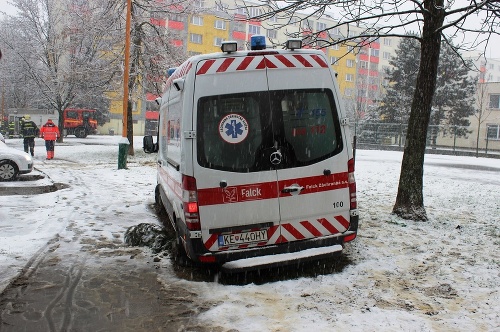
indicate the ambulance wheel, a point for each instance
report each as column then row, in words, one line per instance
column 179, row 253
column 158, row 201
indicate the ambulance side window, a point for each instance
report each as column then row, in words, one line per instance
column 163, row 136
column 173, row 128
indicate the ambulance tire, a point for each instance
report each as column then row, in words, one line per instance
column 179, row 254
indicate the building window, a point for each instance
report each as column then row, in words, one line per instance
column 272, row 34
column 350, row 63
column 387, row 41
column 197, row 20
column 220, row 24
column 335, row 32
column 308, row 25
column 334, row 61
column 320, row 26
column 221, row 7
column 335, row 47
column 218, row 41
column 239, row 26
column 350, row 49
column 386, row 55
column 363, row 64
column 175, row 17
column 294, row 21
column 373, row 66
column 494, row 101
column 322, row 44
column 493, row 131
column 199, row 3
column 196, row 38
column 374, row 52
column 254, row 29
column 491, row 66
column 241, row 11
column 349, row 77
column 254, row 12
column 273, row 19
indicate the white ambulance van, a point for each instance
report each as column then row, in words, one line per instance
column 255, row 163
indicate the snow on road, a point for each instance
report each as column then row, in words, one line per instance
column 439, row 275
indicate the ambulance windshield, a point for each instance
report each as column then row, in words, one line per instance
column 241, row 132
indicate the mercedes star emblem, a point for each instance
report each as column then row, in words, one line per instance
column 275, row 158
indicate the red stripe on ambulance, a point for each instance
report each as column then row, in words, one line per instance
column 310, row 228
column 205, row 67
column 271, row 61
column 285, row 61
column 288, row 232
column 271, row 190
column 225, row 65
column 245, row 63
column 319, row 60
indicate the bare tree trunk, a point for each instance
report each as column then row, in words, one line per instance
column 130, row 129
column 60, row 124
column 477, row 138
column 409, row 201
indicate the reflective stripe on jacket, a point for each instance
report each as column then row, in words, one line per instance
column 29, row 129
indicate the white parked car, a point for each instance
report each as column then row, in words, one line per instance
column 13, row 162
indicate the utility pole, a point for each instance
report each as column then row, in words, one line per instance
column 2, row 122
column 124, row 143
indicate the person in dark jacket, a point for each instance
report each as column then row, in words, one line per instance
column 29, row 130
column 50, row 132
column 12, row 128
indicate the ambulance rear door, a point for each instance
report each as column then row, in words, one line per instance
column 312, row 171
column 237, row 192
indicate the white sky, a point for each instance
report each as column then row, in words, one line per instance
column 493, row 50
column 439, row 275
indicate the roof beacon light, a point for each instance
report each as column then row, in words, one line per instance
column 229, row 46
column 258, row 42
column 170, row 71
column 293, row 44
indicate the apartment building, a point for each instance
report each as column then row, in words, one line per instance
column 359, row 64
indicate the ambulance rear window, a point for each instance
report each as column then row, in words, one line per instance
column 239, row 132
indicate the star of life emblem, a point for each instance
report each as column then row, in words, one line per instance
column 233, row 128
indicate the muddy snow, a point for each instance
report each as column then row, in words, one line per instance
column 397, row 275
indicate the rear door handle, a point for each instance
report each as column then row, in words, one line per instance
column 294, row 188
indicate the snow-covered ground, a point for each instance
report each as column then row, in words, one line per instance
column 439, row 275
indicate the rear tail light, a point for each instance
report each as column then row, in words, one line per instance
column 190, row 203
column 352, row 184
column 349, row 237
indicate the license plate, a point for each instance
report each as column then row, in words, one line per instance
column 242, row 238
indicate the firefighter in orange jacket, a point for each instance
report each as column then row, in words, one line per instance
column 49, row 132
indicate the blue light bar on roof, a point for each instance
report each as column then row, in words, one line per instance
column 258, row 42
column 170, row 71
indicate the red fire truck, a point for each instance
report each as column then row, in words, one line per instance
column 80, row 122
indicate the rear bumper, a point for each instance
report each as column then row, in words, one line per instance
column 198, row 252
